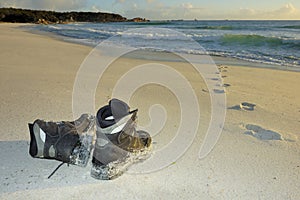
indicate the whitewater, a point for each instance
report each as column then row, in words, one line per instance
column 268, row 42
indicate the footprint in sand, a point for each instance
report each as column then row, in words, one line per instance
column 222, row 69
column 261, row 133
column 218, row 91
column 243, row 106
column 247, row 106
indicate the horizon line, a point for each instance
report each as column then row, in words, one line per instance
column 195, row 19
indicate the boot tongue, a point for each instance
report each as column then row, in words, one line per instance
column 119, row 109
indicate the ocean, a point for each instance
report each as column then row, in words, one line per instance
column 268, row 42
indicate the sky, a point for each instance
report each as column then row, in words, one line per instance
column 172, row 9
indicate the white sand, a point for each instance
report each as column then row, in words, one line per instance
column 37, row 75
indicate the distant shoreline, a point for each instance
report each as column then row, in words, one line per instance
column 16, row 15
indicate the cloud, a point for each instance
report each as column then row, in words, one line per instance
column 159, row 5
column 135, row 6
column 119, row 1
column 187, row 10
column 150, row 1
column 159, row 10
column 45, row 4
column 288, row 8
column 187, row 5
column 287, row 11
column 95, row 8
column 191, row 12
column 247, row 11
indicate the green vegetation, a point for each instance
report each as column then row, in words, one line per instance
column 40, row 16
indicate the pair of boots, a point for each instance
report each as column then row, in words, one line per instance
column 118, row 143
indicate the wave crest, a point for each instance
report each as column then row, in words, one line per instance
column 251, row 40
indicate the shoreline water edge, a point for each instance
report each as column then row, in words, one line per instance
column 252, row 43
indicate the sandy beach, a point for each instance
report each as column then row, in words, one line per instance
column 256, row 157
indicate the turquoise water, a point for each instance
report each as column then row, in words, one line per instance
column 269, row 42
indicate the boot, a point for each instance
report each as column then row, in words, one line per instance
column 68, row 142
column 118, row 144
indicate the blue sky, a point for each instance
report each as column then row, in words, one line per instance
column 173, row 9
